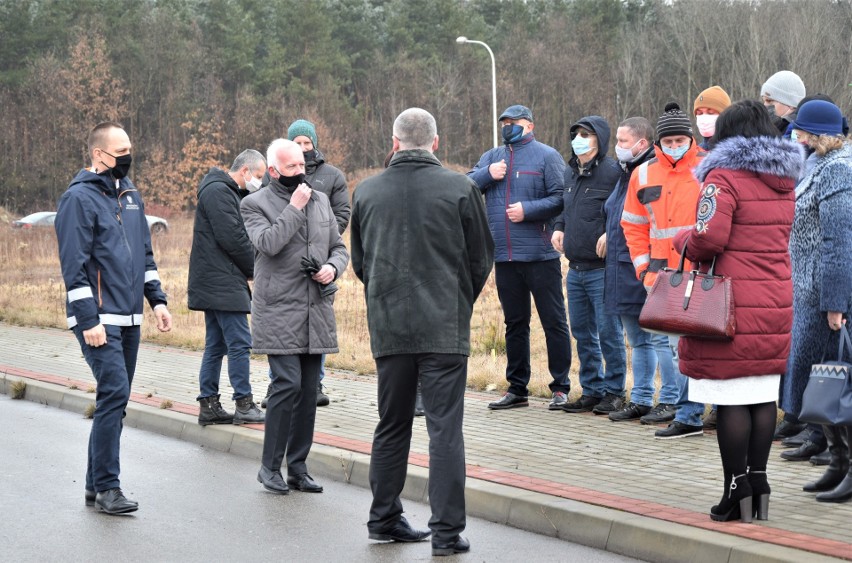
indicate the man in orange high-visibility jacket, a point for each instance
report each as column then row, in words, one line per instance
column 661, row 201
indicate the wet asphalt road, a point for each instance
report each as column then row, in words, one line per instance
column 201, row 505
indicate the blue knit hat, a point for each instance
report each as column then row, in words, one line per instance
column 819, row 117
column 303, row 127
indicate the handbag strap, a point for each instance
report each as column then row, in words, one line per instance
column 711, row 272
column 843, row 337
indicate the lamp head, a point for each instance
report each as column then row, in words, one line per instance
column 461, row 39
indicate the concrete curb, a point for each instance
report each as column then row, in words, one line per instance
column 603, row 528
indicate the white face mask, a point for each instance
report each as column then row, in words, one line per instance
column 706, row 124
column 626, row 155
column 253, row 184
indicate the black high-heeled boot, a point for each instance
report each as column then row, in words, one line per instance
column 760, row 492
column 843, row 491
column 838, row 465
column 737, row 502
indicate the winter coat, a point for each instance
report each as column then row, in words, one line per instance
column 222, row 258
column 582, row 218
column 105, row 252
column 421, row 245
column 534, row 176
column 660, row 203
column 327, row 179
column 744, row 217
column 820, row 248
column 288, row 315
column 624, row 294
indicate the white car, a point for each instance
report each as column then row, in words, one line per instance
column 158, row 225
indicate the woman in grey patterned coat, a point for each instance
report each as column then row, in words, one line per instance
column 821, row 253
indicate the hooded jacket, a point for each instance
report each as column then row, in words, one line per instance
column 623, row 293
column 582, row 219
column 534, row 176
column 744, row 216
column 660, row 203
column 222, row 259
column 105, row 252
column 288, row 314
column 421, row 245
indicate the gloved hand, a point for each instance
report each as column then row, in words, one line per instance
column 311, row 266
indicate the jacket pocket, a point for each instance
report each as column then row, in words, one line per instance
column 648, row 194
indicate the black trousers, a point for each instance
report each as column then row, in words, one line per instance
column 291, row 411
column 442, row 378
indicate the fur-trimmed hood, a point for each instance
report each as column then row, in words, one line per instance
column 765, row 156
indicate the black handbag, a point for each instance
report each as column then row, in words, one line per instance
column 828, row 395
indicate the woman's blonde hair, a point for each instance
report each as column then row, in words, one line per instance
column 824, row 144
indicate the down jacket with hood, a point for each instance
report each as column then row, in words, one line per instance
column 222, row 259
column 288, row 314
column 105, row 252
column 744, row 217
column 586, row 189
column 534, row 176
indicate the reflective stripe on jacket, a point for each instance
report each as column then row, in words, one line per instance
column 661, row 201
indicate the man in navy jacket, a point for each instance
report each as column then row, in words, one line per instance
column 522, row 182
column 108, row 268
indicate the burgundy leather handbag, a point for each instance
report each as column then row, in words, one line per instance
column 692, row 304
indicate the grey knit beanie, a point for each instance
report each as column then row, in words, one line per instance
column 784, row 86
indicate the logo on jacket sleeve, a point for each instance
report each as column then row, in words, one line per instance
column 130, row 205
column 706, row 207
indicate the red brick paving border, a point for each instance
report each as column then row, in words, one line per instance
column 667, row 513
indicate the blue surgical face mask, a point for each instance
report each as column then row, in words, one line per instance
column 512, row 132
column 581, row 145
column 677, row 153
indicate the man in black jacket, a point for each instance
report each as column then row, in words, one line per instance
column 589, row 179
column 422, row 247
column 220, row 265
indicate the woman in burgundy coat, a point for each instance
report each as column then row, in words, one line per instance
column 745, row 212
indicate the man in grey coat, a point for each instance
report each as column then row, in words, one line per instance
column 422, row 247
column 292, row 315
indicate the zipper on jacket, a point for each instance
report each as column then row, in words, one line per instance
column 508, row 194
column 100, row 297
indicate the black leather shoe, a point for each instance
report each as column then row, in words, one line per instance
column 113, row 501
column 804, row 452
column 272, row 481
column 787, row 429
column 509, row 401
column 797, row 440
column 583, row 404
column 631, row 412
column 457, row 545
column 90, row 497
column 401, row 532
column 823, row 458
column 303, row 482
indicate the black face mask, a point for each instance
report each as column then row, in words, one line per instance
column 122, row 165
column 291, row 181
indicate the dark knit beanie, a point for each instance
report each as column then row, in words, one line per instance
column 673, row 122
column 302, row 127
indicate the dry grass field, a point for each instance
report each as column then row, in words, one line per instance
column 32, row 294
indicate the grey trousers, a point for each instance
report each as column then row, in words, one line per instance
column 291, row 411
column 442, row 378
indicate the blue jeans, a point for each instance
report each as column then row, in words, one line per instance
column 227, row 334
column 516, row 281
column 688, row 412
column 113, row 366
column 644, row 361
column 669, row 374
column 596, row 333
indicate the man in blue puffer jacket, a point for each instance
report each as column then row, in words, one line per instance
column 589, row 179
column 109, row 270
column 522, row 182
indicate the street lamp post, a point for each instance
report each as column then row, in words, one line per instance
column 493, row 83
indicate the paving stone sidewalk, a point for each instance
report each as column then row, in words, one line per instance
column 579, row 456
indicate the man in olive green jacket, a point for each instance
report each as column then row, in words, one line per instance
column 421, row 245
